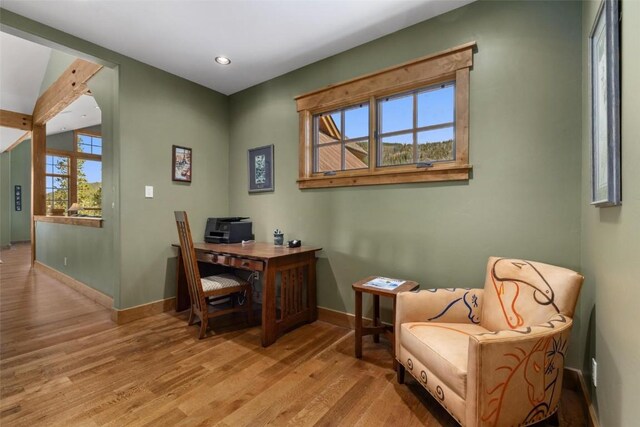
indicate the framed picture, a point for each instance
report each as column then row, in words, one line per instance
column 260, row 166
column 181, row 164
column 604, row 71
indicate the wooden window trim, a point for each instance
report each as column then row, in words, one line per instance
column 449, row 65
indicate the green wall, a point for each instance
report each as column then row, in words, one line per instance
column 58, row 62
column 89, row 252
column 525, row 125
column 152, row 110
column 611, row 240
column 64, row 140
column 15, row 170
column 21, row 175
column 158, row 110
column 5, row 200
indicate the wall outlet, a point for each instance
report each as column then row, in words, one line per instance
column 594, row 372
column 148, row 191
column 65, row 261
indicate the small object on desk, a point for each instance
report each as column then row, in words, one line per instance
column 278, row 237
column 294, row 243
column 384, row 283
column 228, row 230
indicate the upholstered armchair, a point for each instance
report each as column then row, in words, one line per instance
column 492, row 356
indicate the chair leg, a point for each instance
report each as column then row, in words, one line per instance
column 400, row 373
column 204, row 324
column 192, row 316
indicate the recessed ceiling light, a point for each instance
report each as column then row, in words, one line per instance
column 223, row 60
column 64, row 128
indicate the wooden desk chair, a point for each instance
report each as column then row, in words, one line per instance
column 202, row 289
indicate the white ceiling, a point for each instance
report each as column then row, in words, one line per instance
column 22, row 68
column 8, row 136
column 81, row 113
column 263, row 38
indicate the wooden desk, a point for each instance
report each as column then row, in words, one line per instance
column 293, row 270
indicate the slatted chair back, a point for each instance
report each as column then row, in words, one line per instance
column 190, row 262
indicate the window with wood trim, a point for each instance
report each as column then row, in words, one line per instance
column 89, row 173
column 407, row 123
column 341, row 139
column 57, row 183
column 76, row 176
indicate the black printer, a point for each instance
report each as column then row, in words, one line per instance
column 228, row 230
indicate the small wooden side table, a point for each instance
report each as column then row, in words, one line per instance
column 377, row 328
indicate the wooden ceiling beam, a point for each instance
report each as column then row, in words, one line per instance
column 69, row 87
column 11, row 119
column 26, row 135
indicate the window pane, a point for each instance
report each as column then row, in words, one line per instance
column 61, row 165
column 357, row 154
column 89, row 183
column 328, row 127
column 397, row 150
column 329, row 158
column 396, row 113
column 89, row 144
column 356, row 122
column 57, row 192
column 60, row 183
column 436, row 105
column 436, row 145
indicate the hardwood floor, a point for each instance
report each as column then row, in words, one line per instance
column 64, row 363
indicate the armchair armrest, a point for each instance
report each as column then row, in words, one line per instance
column 451, row 305
column 514, row 377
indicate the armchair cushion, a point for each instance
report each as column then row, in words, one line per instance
column 519, row 293
column 443, row 347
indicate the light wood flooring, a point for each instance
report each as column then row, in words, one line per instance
column 64, row 363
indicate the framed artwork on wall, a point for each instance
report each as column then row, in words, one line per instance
column 260, row 166
column 604, row 72
column 181, row 164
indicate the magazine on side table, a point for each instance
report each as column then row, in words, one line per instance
column 384, row 283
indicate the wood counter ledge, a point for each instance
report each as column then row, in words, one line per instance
column 70, row 220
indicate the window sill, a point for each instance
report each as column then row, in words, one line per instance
column 388, row 176
column 70, row 220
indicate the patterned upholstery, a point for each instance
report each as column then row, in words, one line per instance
column 523, row 293
column 221, row 281
column 492, row 356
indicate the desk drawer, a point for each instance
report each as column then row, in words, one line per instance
column 231, row 261
column 246, row 264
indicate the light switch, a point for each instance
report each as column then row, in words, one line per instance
column 148, row 191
